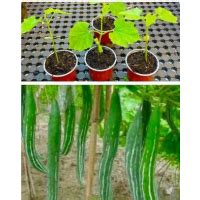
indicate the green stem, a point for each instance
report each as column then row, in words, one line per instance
column 100, row 50
column 146, row 43
column 52, row 38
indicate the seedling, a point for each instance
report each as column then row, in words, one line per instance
column 149, row 19
column 81, row 37
column 48, row 15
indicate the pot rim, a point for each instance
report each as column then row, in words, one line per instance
column 100, row 70
column 136, row 50
column 92, row 24
column 65, row 73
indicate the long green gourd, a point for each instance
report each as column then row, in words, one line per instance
column 146, row 113
column 29, row 122
column 69, row 126
column 111, row 140
column 82, row 131
column 148, row 162
column 133, row 155
column 102, row 105
column 54, row 137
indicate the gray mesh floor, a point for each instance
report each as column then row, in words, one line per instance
column 165, row 41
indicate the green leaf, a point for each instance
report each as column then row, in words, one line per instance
column 80, row 37
column 117, row 7
column 29, row 23
column 150, row 19
column 124, row 33
column 105, row 9
column 165, row 15
column 49, row 11
column 132, row 14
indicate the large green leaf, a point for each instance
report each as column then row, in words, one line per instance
column 49, row 11
column 105, row 9
column 150, row 19
column 29, row 23
column 165, row 15
column 117, row 7
column 132, row 14
column 80, row 37
column 124, row 33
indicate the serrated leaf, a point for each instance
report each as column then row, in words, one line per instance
column 29, row 23
column 117, row 7
column 124, row 33
column 150, row 19
column 132, row 14
column 105, row 9
column 165, row 15
column 80, row 37
column 49, row 11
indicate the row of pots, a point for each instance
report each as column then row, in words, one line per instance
column 105, row 74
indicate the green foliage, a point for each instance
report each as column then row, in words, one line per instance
column 117, row 7
column 48, row 93
column 149, row 19
column 165, row 15
column 132, row 14
column 105, row 9
column 132, row 96
column 29, row 23
column 124, row 33
column 49, row 11
column 80, row 37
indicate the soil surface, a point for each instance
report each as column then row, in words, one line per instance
column 137, row 63
column 69, row 188
column 108, row 23
column 67, row 62
column 98, row 60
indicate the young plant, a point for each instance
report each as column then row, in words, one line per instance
column 81, row 37
column 48, row 15
column 149, row 19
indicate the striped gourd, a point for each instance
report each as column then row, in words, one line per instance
column 146, row 113
column 148, row 162
column 102, row 105
column 29, row 122
column 54, row 137
column 82, row 131
column 133, row 155
column 111, row 140
column 69, row 125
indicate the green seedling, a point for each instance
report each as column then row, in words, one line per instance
column 48, row 15
column 149, row 19
column 81, row 37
